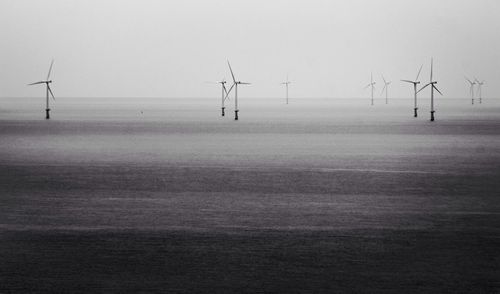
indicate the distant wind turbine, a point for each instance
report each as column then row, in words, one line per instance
column 372, row 85
column 235, row 85
column 472, row 84
column 386, row 89
column 433, row 87
column 415, row 83
column 286, row 84
column 224, row 94
column 47, row 82
column 480, row 90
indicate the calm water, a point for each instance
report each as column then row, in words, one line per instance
column 316, row 196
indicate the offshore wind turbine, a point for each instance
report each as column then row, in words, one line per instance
column 286, row 84
column 415, row 83
column 372, row 85
column 472, row 84
column 480, row 90
column 386, row 89
column 235, row 85
column 48, row 90
column 433, row 87
column 224, row 95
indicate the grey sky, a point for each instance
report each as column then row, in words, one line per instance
column 170, row 48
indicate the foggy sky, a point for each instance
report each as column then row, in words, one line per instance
column 116, row 48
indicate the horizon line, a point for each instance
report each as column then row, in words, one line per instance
column 214, row 97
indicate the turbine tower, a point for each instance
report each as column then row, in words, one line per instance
column 480, row 90
column 372, row 85
column 286, row 84
column 235, row 85
column 415, row 83
column 48, row 90
column 433, row 87
column 471, row 88
column 386, row 89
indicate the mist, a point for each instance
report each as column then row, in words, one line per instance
column 172, row 48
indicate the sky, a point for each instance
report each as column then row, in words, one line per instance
column 153, row 48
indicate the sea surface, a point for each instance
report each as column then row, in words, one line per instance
column 318, row 196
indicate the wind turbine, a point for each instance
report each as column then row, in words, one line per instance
column 471, row 88
column 286, row 84
column 47, row 82
column 235, row 85
column 372, row 85
column 386, row 89
column 415, row 83
column 433, row 87
column 224, row 94
column 480, row 90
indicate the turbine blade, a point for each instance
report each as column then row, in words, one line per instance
column 435, row 88
column 224, row 87
column 468, row 80
column 423, row 87
column 419, row 72
column 36, row 83
column 244, row 83
column 50, row 69
column 432, row 65
column 229, row 92
column 383, row 89
column 383, row 79
column 232, row 74
column 407, row 81
column 50, row 90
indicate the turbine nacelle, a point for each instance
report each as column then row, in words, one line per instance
column 287, row 82
column 470, row 82
column 385, row 82
column 432, row 84
column 370, row 85
column 478, row 82
column 416, row 81
column 411, row 82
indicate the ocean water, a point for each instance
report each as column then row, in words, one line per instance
column 321, row 195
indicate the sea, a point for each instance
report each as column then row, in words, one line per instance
column 165, row 195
